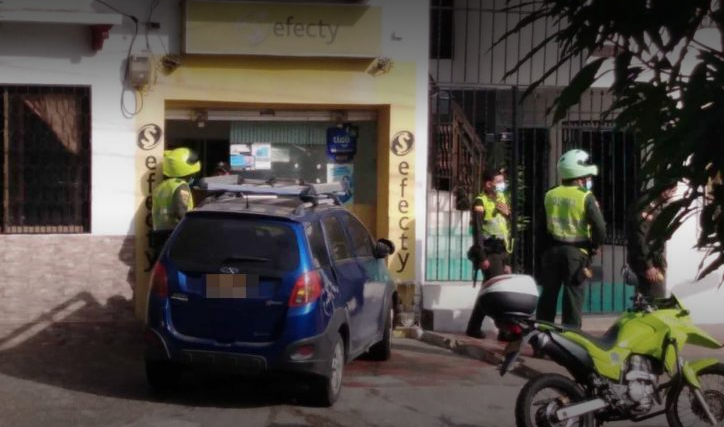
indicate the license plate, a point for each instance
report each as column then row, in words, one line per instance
column 512, row 350
column 232, row 286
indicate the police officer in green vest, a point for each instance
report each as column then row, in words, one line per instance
column 491, row 234
column 576, row 229
column 172, row 198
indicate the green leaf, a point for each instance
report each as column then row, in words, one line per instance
column 571, row 95
column 623, row 75
column 713, row 266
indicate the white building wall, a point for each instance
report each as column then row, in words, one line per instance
column 61, row 54
column 704, row 298
column 478, row 26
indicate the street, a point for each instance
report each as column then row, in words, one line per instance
column 89, row 376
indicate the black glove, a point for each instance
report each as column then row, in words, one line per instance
column 475, row 255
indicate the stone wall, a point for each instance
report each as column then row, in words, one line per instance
column 51, row 279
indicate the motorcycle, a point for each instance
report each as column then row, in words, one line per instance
column 619, row 376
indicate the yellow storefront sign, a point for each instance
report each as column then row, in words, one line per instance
column 276, row 29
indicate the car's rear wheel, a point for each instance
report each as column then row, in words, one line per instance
column 162, row 376
column 383, row 350
column 326, row 390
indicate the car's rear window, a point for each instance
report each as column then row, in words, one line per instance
column 206, row 243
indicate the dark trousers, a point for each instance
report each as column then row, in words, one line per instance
column 655, row 290
column 562, row 267
column 157, row 239
column 498, row 261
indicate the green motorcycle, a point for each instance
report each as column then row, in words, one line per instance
column 627, row 374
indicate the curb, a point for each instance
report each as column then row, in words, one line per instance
column 472, row 351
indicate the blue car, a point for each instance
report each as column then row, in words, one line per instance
column 255, row 284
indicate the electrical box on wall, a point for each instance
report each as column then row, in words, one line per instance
column 139, row 71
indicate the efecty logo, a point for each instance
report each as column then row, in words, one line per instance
column 402, row 142
column 252, row 28
column 149, row 136
column 255, row 27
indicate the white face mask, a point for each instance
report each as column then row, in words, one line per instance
column 589, row 184
column 500, row 187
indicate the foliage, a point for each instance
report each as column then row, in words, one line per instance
column 667, row 81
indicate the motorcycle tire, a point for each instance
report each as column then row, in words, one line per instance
column 685, row 409
column 526, row 416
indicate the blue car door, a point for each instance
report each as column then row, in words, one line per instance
column 375, row 283
column 349, row 276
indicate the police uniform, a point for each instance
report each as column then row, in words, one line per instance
column 641, row 254
column 492, row 233
column 576, row 228
column 172, row 198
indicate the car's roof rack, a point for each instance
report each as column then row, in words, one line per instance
column 236, row 185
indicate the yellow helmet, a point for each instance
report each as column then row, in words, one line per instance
column 180, row 162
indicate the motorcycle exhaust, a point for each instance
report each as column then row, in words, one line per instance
column 579, row 409
column 565, row 353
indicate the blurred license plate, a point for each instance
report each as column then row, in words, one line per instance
column 232, row 286
column 512, row 350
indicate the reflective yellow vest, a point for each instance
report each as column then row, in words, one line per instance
column 565, row 214
column 163, row 217
column 495, row 224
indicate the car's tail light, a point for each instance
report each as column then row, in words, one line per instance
column 159, row 281
column 303, row 353
column 307, row 289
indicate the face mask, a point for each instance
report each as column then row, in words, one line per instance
column 500, row 187
column 589, row 184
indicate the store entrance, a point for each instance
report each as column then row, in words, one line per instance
column 313, row 146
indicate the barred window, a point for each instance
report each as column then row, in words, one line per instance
column 45, row 165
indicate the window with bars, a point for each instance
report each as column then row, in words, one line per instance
column 45, row 165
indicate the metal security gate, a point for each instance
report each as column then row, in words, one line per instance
column 457, row 162
column 515, row 135
column 468, row 69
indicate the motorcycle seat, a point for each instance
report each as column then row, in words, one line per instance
column 604, row 342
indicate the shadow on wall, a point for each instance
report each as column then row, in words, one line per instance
column 60, row 348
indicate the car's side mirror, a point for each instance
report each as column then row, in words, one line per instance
column 384, row 248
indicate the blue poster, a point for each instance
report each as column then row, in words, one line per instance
column 342, row 143
column 343, row 173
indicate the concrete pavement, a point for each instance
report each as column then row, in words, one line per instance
column 75, row 375
column 490, row 350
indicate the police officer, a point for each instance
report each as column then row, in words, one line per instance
column 648, row 261
column 172, row 198
column 491, row 234
column 576, row 229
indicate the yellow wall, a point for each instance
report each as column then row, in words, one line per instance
column 240, row 82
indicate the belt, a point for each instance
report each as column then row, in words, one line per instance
column 579, row 245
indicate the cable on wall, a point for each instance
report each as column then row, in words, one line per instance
column 128, row 113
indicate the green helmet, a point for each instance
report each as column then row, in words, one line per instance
column 180, row 162
column 574, row 164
